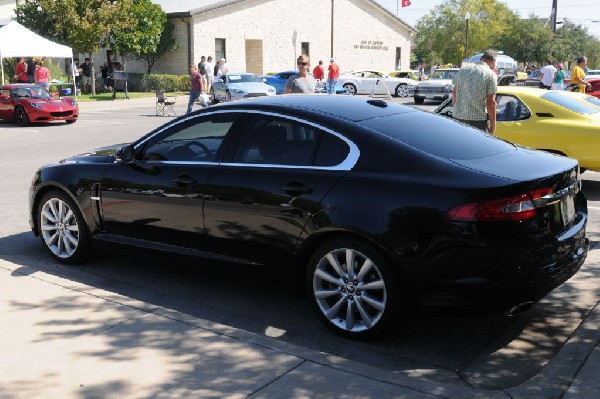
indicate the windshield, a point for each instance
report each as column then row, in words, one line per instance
column 37, row 92
column 570, row 103
column 243, row 78
column 443, row 75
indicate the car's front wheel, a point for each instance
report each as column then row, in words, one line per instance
column 21, row 117
column 402, row 90
column 213, row 96
column 350, row 88
column 62, row 228
column 352, row 288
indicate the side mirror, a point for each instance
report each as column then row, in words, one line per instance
column 125, row 154
column 264, row 80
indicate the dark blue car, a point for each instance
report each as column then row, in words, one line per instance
column 278, row 81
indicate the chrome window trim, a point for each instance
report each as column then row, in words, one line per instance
column 346, row 165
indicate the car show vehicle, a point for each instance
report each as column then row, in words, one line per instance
column 236, row 86
column 406, row 74
column 595, row 89
column 28, row 103
column 365, row 81
column 437, row 88
column 279, row 80
column 373, row 207
column 559, row 122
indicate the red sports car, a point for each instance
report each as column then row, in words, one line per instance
column 595, row 89
column 27, row 103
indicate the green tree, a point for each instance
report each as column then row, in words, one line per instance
column 527, row 40
column 443, row 31
column 146, row 36
column 166, row 44
column 80, row 24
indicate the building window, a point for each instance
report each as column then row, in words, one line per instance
column 305, row 48
column 220, row 49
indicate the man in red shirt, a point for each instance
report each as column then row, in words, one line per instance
column 332, row 76
column 319, row 72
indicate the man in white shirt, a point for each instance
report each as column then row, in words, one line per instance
column 224, row 67
column 547, row 76
column 210, row 73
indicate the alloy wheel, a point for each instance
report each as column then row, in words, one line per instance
column 59, row 228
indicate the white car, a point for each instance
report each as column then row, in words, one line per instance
column 437, row 88
column 592, row 74
column 364, row 81
column 235, row 86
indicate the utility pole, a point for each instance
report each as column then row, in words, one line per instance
column 553, row 16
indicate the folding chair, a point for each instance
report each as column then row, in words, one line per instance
column 164, row 104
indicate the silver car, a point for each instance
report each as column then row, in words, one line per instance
column 437, row 88
column 236, row 86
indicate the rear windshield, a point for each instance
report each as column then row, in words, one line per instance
column 570, row 103
column 439, row 136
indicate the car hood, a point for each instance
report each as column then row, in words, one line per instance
column 250, row 87
column 99, row 155
column 51, row 102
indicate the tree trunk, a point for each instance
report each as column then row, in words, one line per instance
column 93, row 76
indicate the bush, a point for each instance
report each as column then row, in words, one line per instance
column 155, row 82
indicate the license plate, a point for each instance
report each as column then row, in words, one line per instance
column 567, row 209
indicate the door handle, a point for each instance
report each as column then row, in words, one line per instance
column 184, row 180
column 295, row 188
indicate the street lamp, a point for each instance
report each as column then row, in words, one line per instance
column 467, row 17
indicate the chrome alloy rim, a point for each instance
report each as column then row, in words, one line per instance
column 59, row 228
column 402, row 91
column 349, row 290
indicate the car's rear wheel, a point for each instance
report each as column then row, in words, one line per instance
column 62, row 228
column 213, row 97
column 21, row 117
column 350, row 88
column 419, row 100
column 402, row 90
column 352, row 288
column 228, row 95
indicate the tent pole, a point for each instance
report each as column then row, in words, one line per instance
column 73, row 75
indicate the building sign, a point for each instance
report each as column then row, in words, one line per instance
column 370, row 45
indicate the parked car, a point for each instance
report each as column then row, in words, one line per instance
column 595, row 89
column 27, row 103
column 406, row 74
column 373, row 206
column 236, row 86
column 534, row 79
column 279, row 79
column 560, row 122
column 364, row 81
column 592, row 74
column 437, row 88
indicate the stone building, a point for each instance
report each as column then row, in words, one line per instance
column 262, row 36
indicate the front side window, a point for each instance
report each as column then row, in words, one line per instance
column 198, row 139
column 510, row 108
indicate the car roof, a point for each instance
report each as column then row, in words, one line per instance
column 349, row 108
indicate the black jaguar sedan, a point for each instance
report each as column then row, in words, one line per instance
column 376, row 207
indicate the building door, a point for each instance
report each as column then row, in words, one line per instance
column 399, row 58
column 254, row 56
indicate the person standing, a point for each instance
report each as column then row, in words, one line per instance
column 333, row 74
column 42, row 75
column 210, row 74
column 319, row 72
column 224, row 67
column 218, row 71
column 30, row 70
column 558, row 83
column 474, row 93
column 21, row 71
column 202, row 70
column 421, row 71
column 547, row 76
column 196, row 81
column 578, row 76
column 301, row 82
column 86, row 76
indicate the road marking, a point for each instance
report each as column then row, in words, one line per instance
column 593, row 207
column 20, row 130
column 108, row 122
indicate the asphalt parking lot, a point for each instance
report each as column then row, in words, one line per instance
column 487, row 354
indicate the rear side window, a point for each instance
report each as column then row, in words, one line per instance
column 439, row 136
column 569, row 103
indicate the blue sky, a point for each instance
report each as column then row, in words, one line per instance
column 584, row 12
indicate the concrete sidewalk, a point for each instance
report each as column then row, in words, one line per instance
column 64, row 339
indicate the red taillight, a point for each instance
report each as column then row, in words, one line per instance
column 519, row 207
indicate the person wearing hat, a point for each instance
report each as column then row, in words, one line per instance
column 333, row 73
column 474, row 93
column 558, row 83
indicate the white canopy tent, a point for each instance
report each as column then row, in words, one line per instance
column 18, row 41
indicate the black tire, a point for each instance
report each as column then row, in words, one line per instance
column 62, row 228
column 228, row 96
column 419, row 100
column 350, row 88
column 402, row 90
column 21, row 117
column 70, row 121
column 359, row 303
column 213, row 97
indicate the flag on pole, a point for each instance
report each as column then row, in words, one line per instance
column 405, row 3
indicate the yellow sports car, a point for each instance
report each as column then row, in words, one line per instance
column 557, row 121
column 405, row 73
